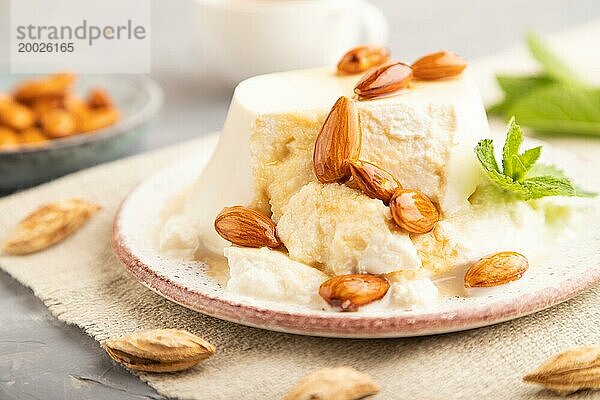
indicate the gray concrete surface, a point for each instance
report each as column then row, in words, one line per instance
column 41, row 358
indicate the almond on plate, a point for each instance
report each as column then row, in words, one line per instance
column 338, row 141
column 56, row 85
column 246, row 227
column 15, row 116
column 440, row 65
column 9, row 140
column 496, row 269
column 413, row 211
column 32, row 136
column 361, row 58
column 97, row 118
column 374, row 181
column 384, row 80
column 349, row 292
column 58, row 123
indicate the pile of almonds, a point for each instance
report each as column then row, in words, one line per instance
column 44, row 109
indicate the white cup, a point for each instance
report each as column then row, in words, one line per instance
column 243, row 38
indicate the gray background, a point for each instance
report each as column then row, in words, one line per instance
column 42, row 358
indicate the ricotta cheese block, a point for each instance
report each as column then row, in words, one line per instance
column 344, row 231
column 424, row 136
column 271, row 275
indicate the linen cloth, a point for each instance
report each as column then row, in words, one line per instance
column 82, row 283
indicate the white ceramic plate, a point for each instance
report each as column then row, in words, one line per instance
column 572, row 269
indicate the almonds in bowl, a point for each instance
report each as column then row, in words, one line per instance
column 53, row 125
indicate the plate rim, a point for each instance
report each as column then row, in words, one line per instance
column 338, row 325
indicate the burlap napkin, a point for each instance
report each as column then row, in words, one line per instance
column 82, row 283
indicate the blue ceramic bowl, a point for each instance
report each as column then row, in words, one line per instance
column 138, row 99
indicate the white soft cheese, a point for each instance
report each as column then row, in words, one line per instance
column 413, row 293
column 179, row 238
column 424, row 135
column 271, row 275
column 345, row 231
column 495, row 222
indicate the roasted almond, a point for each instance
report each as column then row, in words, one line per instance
column 49, row 225
column 32, row 136
column 413, row 211
column 159, row 350
column 15, row 116
column 572, row 370
column 341, row 383
column 9, row 139
column 99, row 98
column 53, row 86
column 246, row 227
column 337, row 142
column 374, row 181
column 384, row 80
column 440, row 65
column 361, row 58
column 96, row 118
column 58, row 123
column 349, row 292
column 496, row 269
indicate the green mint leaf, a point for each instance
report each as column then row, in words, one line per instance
column 514, row 87
column 580, row 192
column 518, row 169
column 506, row 183
column 529, row 157
column 553, row 171
column 514, row 138
column 542, row 186
column 521, row 176
column 485, row 153
column 499, row 109
column 552, row 63
column 560, row 108
column 545, row 170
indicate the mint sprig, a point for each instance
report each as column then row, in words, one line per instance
column 520, row 175
column 556, row 100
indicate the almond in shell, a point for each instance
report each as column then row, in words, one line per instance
column 338, row 142
column 49, row 225
column 440, row 65
column 349, row 292
column 374, row 181
column 384, row 80
column 341, row 383
column 246, row 227
column 496, row 269
column 570, row 371
column 361, row 58
column 159, row 350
